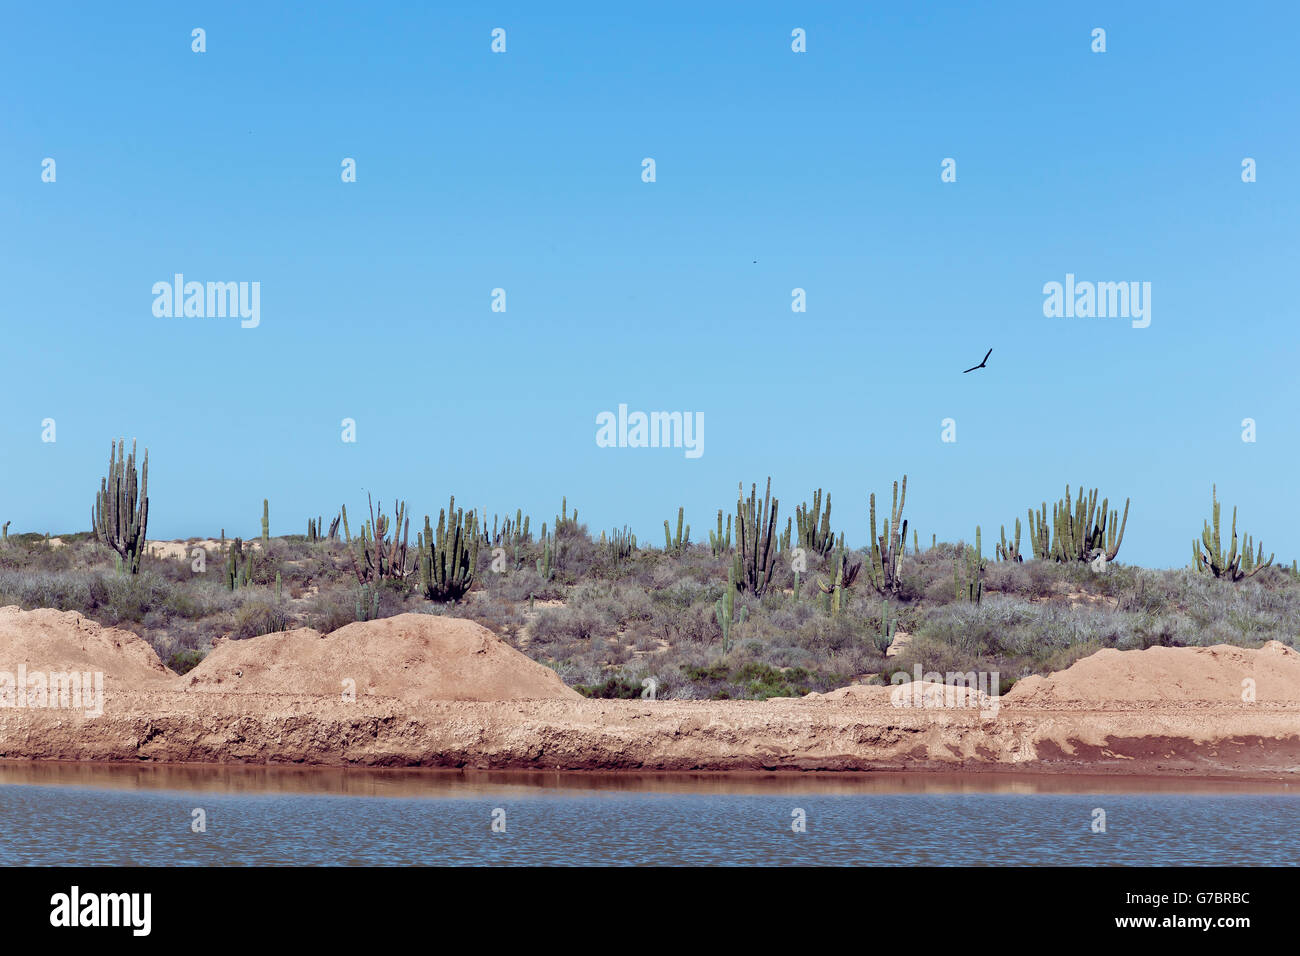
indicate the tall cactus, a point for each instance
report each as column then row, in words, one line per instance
column 266, row 521
column 676, row 545
column 120, row 515
column 968, row 571
column 1079, row 531
column 1233, row 566
column 379, row 556
column 815, row 525
column 755, row 539
column 725, row 610
column 718, row 543
column 1010, row 551
column 449, row 557
column 887, row 549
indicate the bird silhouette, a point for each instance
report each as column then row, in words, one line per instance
column 981, row 364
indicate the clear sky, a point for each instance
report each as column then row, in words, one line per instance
column 775, row 170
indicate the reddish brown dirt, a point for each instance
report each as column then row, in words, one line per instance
column 286, row 707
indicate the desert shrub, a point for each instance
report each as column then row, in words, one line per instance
column 257, row 617
column 185, row 660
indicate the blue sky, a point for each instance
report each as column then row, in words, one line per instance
column 522, row 171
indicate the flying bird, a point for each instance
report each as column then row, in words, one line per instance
column 981, row 364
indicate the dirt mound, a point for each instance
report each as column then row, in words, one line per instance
column 52, row 641
column 1215, row 674
column 413, row 657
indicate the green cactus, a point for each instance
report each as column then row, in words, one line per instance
column 1010, row 551
column 755, row 535
column 1211, row 559
column 815, row 525
column 239, row 567
column 120, row 515
column 367, row 602
column 1079, row 531
column 544, row 569
column 718, row 542
column 675, row 545
column 968, row 572
column 725, row 610
column 620, row 544
column 376, row 556
column 449, row 557
column 5, row 530
column 845, row 575
column 266, row 521
column 887, row 549
column 888, row 627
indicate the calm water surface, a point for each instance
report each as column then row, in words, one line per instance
column 76, row 814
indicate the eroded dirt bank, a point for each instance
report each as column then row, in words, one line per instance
column 1179, row 711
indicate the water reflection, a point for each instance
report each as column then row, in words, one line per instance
column 409, row 783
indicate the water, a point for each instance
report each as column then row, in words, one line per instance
column 61, row 814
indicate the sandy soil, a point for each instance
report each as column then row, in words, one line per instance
column 277, row 699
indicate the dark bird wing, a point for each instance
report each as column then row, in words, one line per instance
column 972, row 368
column 986, row 356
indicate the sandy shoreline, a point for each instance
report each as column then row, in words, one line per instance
column 673, row 736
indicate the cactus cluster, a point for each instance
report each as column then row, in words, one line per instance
column 376, row 556
column 314, row 533
column 120, row 515
column 815, row 525
column 675, row 545
column 718, row 543
column 620, row 544
column 887, row 549
column 1010, row 551
column 449, row 556
column 845, row 575
column 565, row 525
column 367, row 603
column 755, row 533
column 508, row 533
column 1208, row 556
column 1079, row 531
column 239, row 567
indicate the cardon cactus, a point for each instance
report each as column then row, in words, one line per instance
column 1208, row 555
column 1010, row 551
column 120, row 515
column 676, row 545
column 725, row 610
column 718, row 542
column 815, row 525
column 1079, row 531
column 968, row 572
column 887, row 549
column 755, row 539
column 449, row 557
